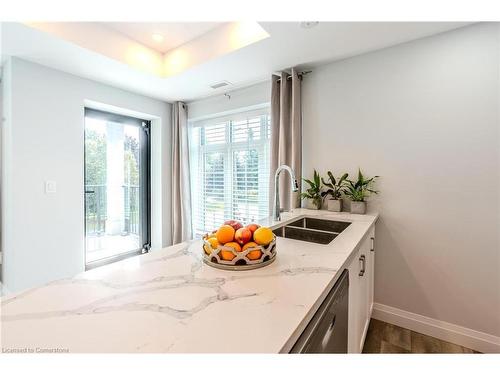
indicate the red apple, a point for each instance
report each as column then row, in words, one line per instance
column 243, row 235
column 253, row 227
column 234, row 223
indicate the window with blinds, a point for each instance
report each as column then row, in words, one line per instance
column 230, row 170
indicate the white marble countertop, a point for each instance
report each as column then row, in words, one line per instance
column 170, row 301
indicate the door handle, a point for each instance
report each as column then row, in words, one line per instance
column 89, row 191
column 362, row 259
column 373, row 244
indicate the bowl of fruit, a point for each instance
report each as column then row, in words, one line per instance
column 236, row 247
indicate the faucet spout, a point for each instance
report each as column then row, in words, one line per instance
column 294, row 187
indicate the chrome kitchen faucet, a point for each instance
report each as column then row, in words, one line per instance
column 295, row 187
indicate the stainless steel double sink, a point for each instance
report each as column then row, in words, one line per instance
column 311, row 229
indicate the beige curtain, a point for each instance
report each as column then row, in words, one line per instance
column 181, row 190
column 286, row 135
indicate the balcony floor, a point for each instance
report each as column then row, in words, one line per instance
column 104, row 246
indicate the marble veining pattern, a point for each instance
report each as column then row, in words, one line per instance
column 170, row 301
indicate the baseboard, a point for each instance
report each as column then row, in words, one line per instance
column 476, row 340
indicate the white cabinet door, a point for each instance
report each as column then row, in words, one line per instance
column 371, row 271
column 360, row 294
column 363, row 276
column 358, row 301
column 354, row 290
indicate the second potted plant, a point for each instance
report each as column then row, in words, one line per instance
column 335, row 191
column 358, row 191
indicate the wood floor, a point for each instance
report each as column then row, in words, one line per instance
column 387, row 338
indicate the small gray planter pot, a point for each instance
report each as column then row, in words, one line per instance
column 358, row 208
column 335, row 205
column 314, row 204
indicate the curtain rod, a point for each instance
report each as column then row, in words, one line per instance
column 300, row 74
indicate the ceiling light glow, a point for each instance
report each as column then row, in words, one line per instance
column 157, row 38
column 144, row 59
column 246, row 33
column 176, row 62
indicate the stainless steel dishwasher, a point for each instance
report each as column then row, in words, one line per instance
column 327, row 330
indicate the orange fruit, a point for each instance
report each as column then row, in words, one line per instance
column 263, row 236
column 213, row 245
column 252, row 254
column 228, row 255
column 207, row 249
column 225, row 234
column 213, row 242
column 235, row 245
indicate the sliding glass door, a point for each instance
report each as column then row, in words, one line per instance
column 117, row 193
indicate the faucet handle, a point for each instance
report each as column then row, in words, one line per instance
column 295, row 185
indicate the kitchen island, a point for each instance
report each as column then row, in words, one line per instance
column 170, row 301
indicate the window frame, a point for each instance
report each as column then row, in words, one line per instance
column 227, row 149
column 145, row 183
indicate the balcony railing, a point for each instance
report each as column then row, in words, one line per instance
column 96, row 209
column 131, row 199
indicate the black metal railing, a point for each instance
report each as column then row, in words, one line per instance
column 96, row 209
column 131, row 203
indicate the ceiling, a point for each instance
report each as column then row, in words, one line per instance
column 173, row 34
column 240, row 54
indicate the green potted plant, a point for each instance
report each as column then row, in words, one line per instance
column 335, row 187
column 313, row 192
column 358, row 191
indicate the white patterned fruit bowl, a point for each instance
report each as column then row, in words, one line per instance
column 228, row 258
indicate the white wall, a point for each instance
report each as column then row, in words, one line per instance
column 425, row 116
column 248, row 97
column 43, row 234
column 4, row 86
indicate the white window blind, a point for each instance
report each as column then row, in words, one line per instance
column 230, row 170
